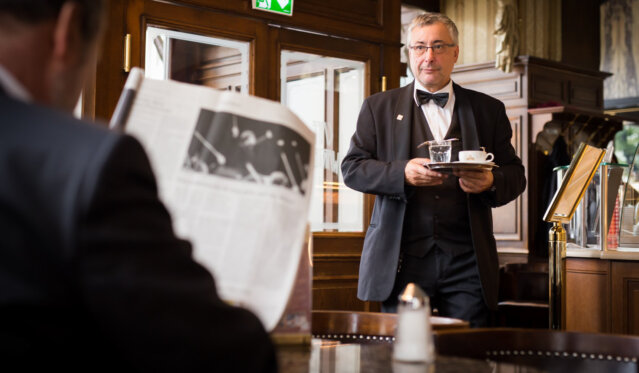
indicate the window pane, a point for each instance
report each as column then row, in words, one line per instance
column 197, row 59
column 327, row 93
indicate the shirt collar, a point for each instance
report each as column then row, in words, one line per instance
column 12, row 86
column 448, row 88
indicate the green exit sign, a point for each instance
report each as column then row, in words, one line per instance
column 277, row 6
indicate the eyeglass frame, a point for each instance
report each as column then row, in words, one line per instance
column 438, row 48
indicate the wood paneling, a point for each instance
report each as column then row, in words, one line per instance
column 552, row 82
column 580, row 33
column 109, row 78
column 587, row 295
column 507, row 219
column 625, row 297
column 335, row 272
column 371, row 20
column 602, row 296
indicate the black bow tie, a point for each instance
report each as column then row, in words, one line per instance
column 439, row 98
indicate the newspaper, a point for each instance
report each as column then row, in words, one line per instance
column 234, row 172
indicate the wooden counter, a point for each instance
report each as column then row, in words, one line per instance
column 618, row 254
column 602, row 291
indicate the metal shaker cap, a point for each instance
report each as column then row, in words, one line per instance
column 413, row 297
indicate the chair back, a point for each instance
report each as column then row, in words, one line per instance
column 538, row 346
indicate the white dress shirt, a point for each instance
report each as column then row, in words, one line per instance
column 12, row 86
column 438, row 118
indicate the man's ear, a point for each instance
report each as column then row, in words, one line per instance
column 67, row 34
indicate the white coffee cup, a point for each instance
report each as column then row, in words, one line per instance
column 475, row 156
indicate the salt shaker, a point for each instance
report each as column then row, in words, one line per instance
column 413, row 337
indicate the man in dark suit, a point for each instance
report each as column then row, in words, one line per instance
column 92, row 276
column 428, row 227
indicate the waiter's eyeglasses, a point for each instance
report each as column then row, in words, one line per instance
column 437, row 48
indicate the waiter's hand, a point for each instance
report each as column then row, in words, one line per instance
column 474, row 181
column 416, row 174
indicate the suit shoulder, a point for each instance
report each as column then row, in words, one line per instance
column 51, row 129
column 37, row 132
column 389, row 96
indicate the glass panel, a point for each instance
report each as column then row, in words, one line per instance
column 197, row 59
column 629, row 225
column 327, row 93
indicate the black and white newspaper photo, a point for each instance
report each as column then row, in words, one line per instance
column 242, row 148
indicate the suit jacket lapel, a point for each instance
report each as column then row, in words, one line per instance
column 470, row 139
column 402, row 119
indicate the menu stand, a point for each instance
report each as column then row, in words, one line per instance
column 581, row 171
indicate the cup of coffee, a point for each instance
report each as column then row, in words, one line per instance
column 475, row 156
column 439, row 151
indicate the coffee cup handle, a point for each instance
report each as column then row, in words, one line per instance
column 489, row 157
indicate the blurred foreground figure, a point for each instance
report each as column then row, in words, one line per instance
column 92, row 276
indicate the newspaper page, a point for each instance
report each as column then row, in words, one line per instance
column 234, row 172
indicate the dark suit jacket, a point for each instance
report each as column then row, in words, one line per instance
column 92, row 276
column 375, row 164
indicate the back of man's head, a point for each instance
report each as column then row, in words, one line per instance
column 49, row 46
column 32, row 12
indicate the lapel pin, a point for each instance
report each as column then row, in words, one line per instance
column 400, row 117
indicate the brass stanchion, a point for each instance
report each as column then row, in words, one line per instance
column 557, row 276
column 573, row 187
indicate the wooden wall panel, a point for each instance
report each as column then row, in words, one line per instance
column 507, row 219
column 360, row 19
column 549, row 83
column 109, row 78
column 580, row 33
column 587, row 295
column 335, row 272
column 364, row 12
column 625, row 297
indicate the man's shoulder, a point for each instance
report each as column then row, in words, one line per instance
column 389, row 97
column 49, row 128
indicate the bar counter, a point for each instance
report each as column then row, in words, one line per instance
column 617, row 254
column 602, row 290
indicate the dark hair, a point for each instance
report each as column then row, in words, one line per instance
column 35, row 11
